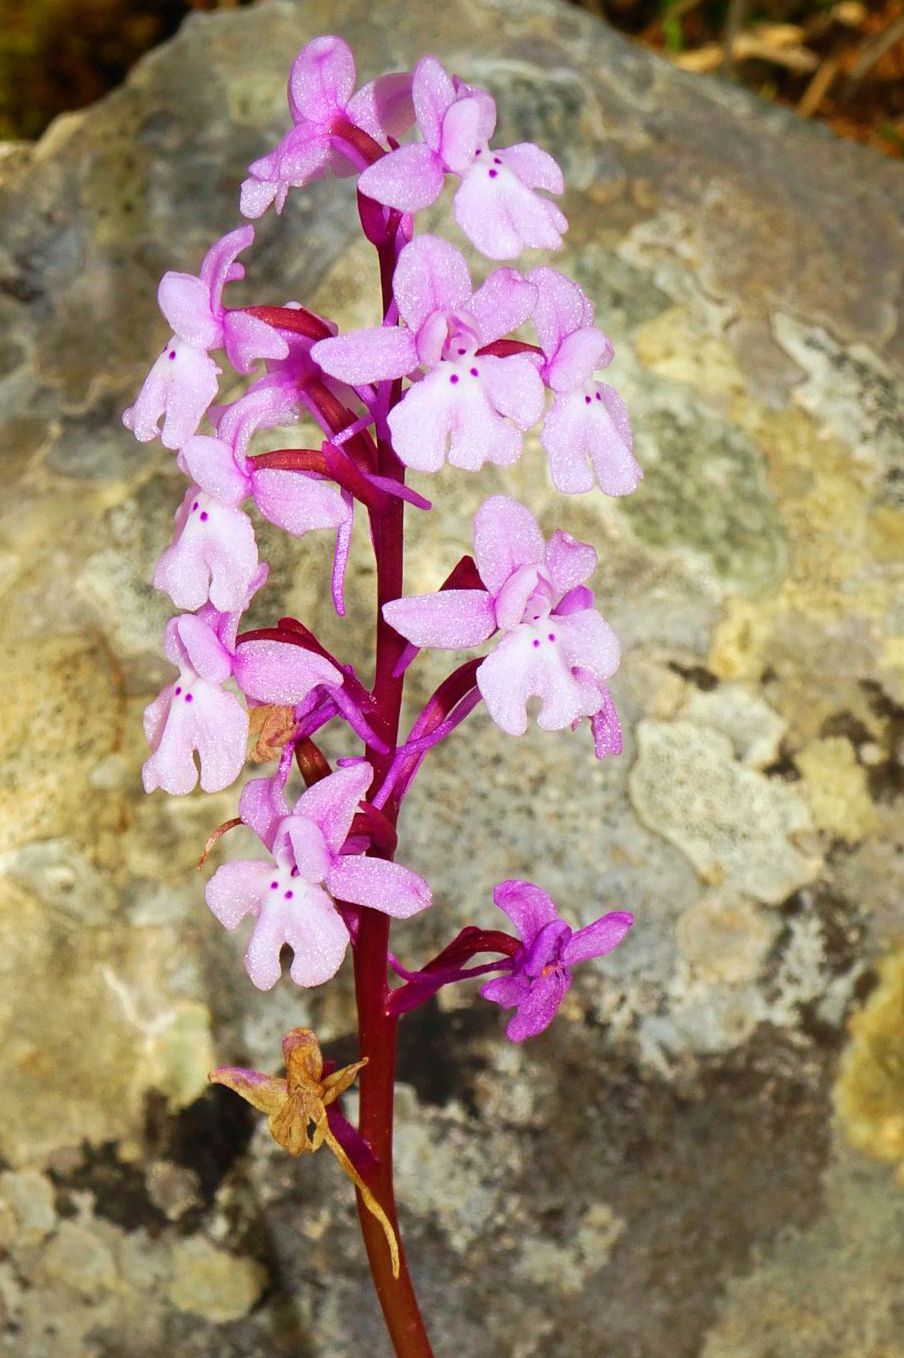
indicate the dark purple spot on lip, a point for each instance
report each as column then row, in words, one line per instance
column 599, row 396
column 204, row 516
column 274, row 885
column 194, row 506
column 189, row 697
column 496, row 160
column 474, row 372
column 493, row 173
column 552, row 636
column 536, row 642
column 178, row 689
column 454, row 378
column 587, row 400
column 172, row 353
column 479, row 151
column 288, row 895
column 462, row 351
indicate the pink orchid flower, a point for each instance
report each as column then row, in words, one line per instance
column 292, row 898
column 183, row 381
column 540, row 972
column 321, row 101
column 496, row 204
column 555, row 645
column 586, row 434
column 470, row 407
column 194, row 715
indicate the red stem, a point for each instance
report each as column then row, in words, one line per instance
column 376, row 1029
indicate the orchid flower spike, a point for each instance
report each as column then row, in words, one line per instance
column 497, row 204
column 325, row 111
column 555, row 645
column 540, row 971
column 468, row 407
column 586, row 434
column 183, row 381
column 292, row 898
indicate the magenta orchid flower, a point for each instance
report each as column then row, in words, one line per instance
column 323, row 106
column 586, row 434
column 183, row 381
column 194, row 714
column 540, row 971
column 293, row 898
column 470, row 407
column 555, row 645
column 496, row 204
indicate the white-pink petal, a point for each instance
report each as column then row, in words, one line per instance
column 388, row 887
column 562, row 308
column 321, row 80
column 502, row 216
column 408, row 179
column 569, row 561
column 297, row 502
column 431, row 276
column 280, row 672
column 587, row 437
column 210, row 464
column 502, row 303
column 214, row 556
column 332, row 802
column 453, row 619
column 238, row 889
column 185, row 302
column 506, row 537
column 433, row 94
column 373, row 355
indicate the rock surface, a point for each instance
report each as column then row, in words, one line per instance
column 665, row 1172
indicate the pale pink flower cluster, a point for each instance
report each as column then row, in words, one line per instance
column 448, row 377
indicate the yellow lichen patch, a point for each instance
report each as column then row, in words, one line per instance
column 837, row 788
column 675, row 345
column 808, row 633
column 869, row 1092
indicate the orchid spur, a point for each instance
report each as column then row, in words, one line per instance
column 447, row 374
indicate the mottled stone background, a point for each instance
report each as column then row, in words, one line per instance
column 703, row 1159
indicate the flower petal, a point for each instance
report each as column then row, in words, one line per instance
column 318, row 938
column 185, row 302
column 206, row 653
column 238, row 889
column 383, row 107
column 569, row 561
column 389, row 887
column 588, row 439
column 374, row 355
column 297, row 502
column 518, row 670
column 506, row 537
column 321, row 80
column 502, row 303
column 214, row 556
column 527, row 906
column 503, row 216
column 262, row 806
column 280, row 671
column 537, row 1011
column 578, row 357
column 433, row 94
column 331, row 804
column 408, row 179
column 587, row 642
column 506, row 990
column 210, row 464
column 247, row 339
column 562, row 308
column 460, row 134
column 598, row 938
column 431, row 276
column 453, row 619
